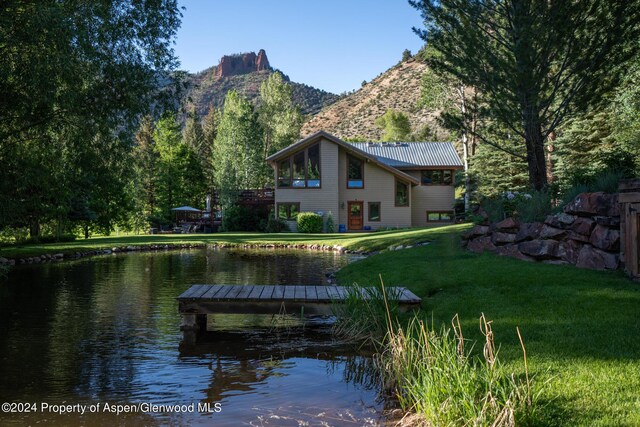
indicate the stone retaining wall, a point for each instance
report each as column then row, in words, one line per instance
column 586, row 234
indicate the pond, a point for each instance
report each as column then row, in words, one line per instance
column 102, row 336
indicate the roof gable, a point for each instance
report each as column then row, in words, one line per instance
column 351, row 148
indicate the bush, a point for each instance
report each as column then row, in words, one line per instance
column 330, row 227
column 309, row 222
column 275, row 225
column 240, row 218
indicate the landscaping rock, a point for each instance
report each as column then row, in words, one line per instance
column 605, row 238
column 596, row 259
column 513, row 252
column 569, row 251
column 560, row 220
column 506, row 224
column 529, row 231
column 609, row 221
column 481, row 244
column 590, row 204
column 549, row 232
column 4, row 260
column 539, row 249
column 500, row 238
column 478, row 230
column 583, row 226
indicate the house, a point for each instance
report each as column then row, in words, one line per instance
column 366, row 185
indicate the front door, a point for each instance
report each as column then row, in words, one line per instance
column 355, row 215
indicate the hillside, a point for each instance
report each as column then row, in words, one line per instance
column 354, row 115
column 245, row 73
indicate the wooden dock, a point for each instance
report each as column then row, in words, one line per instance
column 199, row 300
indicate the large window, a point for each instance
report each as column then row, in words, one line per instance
column 374, row 211
column 402, row 194
column 437, row 177
column 288, row 211
column 355, row 172
column 301, row 170
column 440, row 216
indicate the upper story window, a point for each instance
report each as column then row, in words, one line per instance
column 437, row 177
column 355, row 173
column 300, row 170
column 402, row 194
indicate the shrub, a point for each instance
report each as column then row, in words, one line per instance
column 240, row 218
column 330, row 227
column 275, row 225
column 309, row 222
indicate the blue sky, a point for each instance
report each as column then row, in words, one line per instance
column 329, row 44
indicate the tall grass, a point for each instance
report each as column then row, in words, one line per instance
column 439, row 380
column 436, row 376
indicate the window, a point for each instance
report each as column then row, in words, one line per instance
column 288, row 210
column 355, row 173
column 402, row 194
column 284, row 173
column 301, row 170
column 443, row 216
column 374, row 211
column 313, row 166
column 437, row 177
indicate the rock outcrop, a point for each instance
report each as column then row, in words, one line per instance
column 232, row 65
column 585, row 234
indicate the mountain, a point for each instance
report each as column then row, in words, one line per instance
column 353, row 116
column 245, row 73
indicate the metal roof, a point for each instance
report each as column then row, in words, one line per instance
column 412, row 154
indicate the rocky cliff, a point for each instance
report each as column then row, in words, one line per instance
column 232, row 65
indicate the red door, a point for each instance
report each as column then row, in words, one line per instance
column 355, row 215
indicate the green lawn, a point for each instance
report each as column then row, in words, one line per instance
column 581, row 328
column 354, row 241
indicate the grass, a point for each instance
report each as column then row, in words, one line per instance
column 355, row 241
column 580, row 327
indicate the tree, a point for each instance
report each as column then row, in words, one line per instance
column 534, row 63
column 76, row 77
column 209, row 133
column 406, row 55
column 395, row 126
column 279, row 117
column 145, row 159
column 238, row 150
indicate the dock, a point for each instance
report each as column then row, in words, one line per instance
column 199, row 300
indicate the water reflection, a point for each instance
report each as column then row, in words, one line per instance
column 107, row 330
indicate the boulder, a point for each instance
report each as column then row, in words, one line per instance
column 571, row 235
column 605, row 238
column 596, row 259
column 529, row 231
column 582, row 226
column 539, row 249
column 481, row 244
column 4, row 260
column 609, row 221
column 549, row 232
column 509, row 224
column 478, row 230
column 560, row 220
column 513, row 252
column 592, row 204
column 500, row 238
column 568, row 251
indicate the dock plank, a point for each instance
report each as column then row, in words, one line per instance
column 267, row 292
column 211, row 291
column 289, row 292
column 300, row 293
column 255, row 292
column 190, row 291
column 311, row 293
column 203, row 289
column 278, row 292
column 246, row 290
column 224, row 291
column 321, row 292
column 233, row 293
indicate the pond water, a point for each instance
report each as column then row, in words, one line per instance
column 101, row 333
